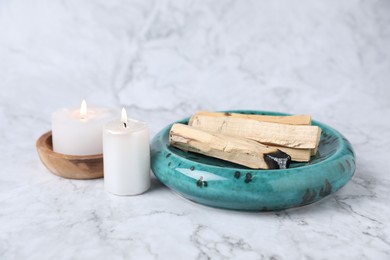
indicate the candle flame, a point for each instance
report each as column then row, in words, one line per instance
column 83, row 109
column 124, row 117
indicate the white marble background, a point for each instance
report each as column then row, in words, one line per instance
column 164, row 60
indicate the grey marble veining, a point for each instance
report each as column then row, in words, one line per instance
column 163, row 60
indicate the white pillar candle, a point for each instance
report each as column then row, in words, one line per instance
column 126, row 156
column 79, row 131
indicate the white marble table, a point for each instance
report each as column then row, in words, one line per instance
column 164, row 60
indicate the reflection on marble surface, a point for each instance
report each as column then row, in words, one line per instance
column 164, row 60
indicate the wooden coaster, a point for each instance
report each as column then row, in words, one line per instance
column 69, row 166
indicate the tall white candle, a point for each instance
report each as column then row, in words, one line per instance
column 79, row 131
column 126, row 156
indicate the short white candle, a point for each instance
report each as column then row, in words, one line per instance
column 126, row 156
column 79, row 131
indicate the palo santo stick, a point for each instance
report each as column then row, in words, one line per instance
column 294, row 136
column 314, row 151
column 238, row 150
column 290, row 120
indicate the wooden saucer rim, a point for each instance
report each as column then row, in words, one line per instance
column 44, row 147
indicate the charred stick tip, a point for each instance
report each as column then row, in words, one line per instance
column 277, row 160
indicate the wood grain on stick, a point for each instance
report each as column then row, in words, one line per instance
column 293, row 136
column 290, row 120
column 234, row 149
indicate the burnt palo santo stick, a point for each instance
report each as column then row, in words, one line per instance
column 297, row 155
column 290, row 120
column 293, row 136
column 237, row 150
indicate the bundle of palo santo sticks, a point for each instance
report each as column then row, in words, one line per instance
column 255, row 141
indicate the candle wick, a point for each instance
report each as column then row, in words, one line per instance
column 125, row 124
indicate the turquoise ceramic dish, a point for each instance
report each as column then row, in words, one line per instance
column 217, row 183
